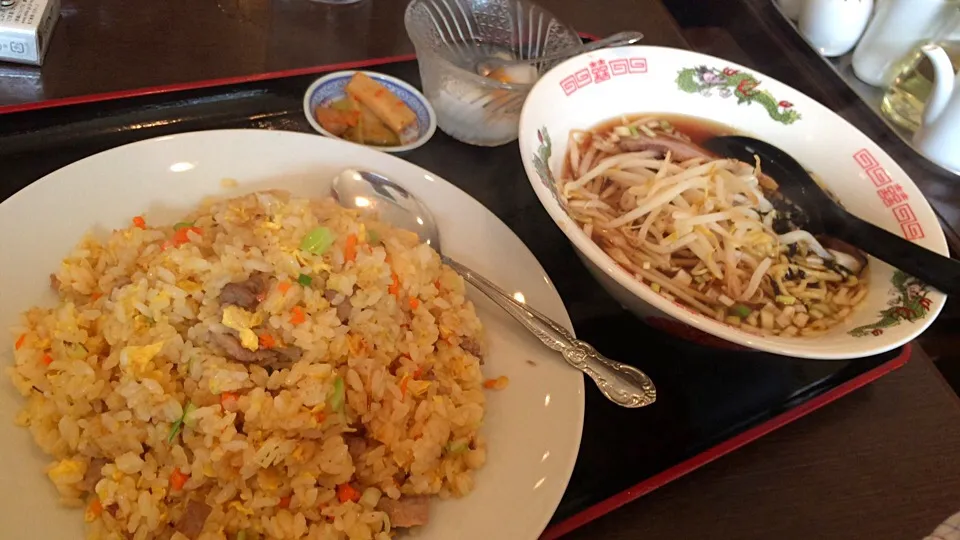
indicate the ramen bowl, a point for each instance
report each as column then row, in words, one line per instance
column 592, row 88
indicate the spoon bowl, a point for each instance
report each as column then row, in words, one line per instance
column 623, row 384
column 371, row 192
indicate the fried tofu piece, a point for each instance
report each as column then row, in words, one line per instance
column 387, row 107
column 374, row 130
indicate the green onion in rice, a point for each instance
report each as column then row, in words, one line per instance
column 178, row 425
column 317, row 240
column 339, row 394
column 457, row 447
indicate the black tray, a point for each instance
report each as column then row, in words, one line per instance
column 711, row 400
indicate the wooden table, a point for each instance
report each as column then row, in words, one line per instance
column 881, row 463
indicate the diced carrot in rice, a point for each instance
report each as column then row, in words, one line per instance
column 498, row 383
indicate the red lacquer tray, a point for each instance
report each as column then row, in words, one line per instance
column 711, row 402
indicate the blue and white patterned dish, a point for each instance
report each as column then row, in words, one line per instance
column 330, row 88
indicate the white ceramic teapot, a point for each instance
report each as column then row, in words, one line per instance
column 939, row 135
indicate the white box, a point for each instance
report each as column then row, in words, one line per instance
column 25, row 28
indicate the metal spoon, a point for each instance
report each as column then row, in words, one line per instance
column 486, row 66
column 824, row 216
column 625, row 385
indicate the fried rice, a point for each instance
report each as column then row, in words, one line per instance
column 271, row 367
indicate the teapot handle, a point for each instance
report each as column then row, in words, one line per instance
column 943, row 82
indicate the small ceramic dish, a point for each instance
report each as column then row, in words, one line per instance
column 331, row 87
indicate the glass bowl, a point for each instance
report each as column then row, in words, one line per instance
column 450, row 36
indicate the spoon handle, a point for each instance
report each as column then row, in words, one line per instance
column 942, row 273
column 619, row 39
column 623, row 384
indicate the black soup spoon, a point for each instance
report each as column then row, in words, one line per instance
column 819, row 214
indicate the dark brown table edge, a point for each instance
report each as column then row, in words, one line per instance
column 612, row 503
column 196, row 85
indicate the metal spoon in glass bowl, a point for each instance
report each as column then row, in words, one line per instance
column 623, row 384
column 491, row 64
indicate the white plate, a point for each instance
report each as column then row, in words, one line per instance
column 533, row 426
column 590, row 88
